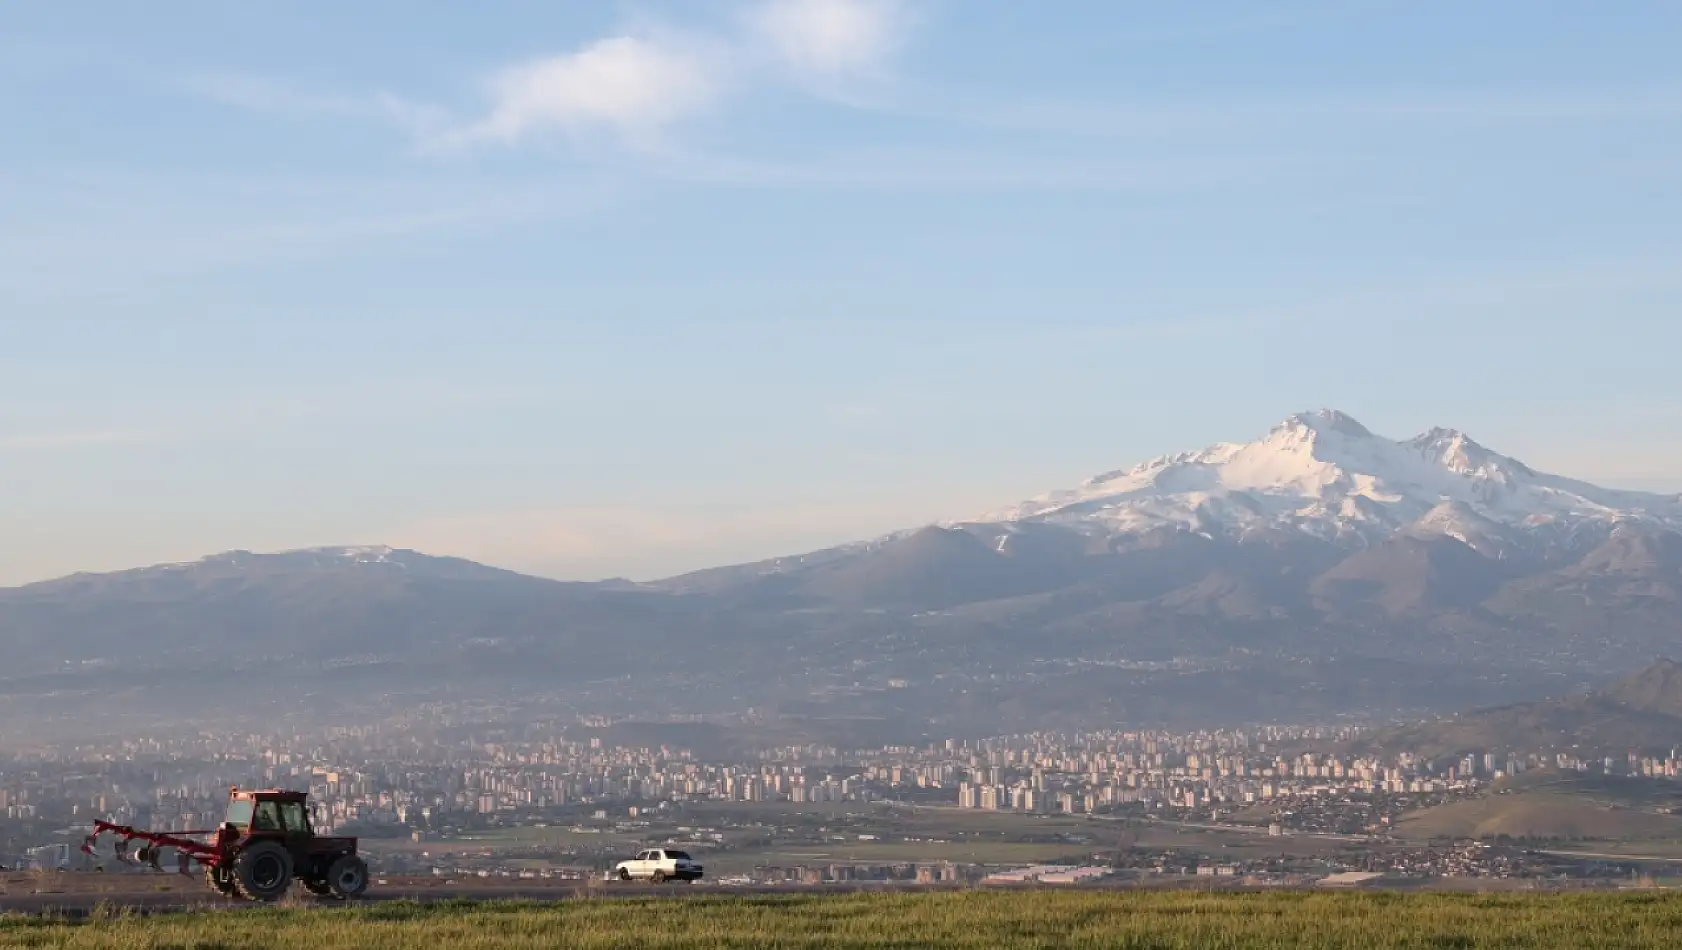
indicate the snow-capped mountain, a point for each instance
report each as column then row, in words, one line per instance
column 1326, row 475
column 318, row 557
column 1318, row 569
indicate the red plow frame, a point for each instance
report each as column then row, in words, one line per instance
column 188, row 850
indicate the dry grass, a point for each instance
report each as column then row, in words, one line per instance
column 980, row 920
column 1539, row 815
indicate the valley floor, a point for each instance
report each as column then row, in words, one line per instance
column 979, row 920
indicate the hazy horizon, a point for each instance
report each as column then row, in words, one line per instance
column 627, row 290
column 738, row 552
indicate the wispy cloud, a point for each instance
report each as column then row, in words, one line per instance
column 633, row 86
column 831, row 37
column 262, row 94
column 636, row 85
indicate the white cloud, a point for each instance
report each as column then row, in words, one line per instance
column 831, row 37
column 631, row 85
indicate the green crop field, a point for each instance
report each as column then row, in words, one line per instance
column 979, row 920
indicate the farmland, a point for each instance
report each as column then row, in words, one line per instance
column 979, row 920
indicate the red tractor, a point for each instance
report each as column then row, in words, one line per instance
column 264, row 844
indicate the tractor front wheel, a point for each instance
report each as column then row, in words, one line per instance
column 348, row 877
column 220, row 880
column 263, row 871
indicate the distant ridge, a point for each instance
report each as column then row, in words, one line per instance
column 1638, row 713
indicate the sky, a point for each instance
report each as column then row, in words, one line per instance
column 597, row 289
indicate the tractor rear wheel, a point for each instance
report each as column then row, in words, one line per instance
column 263, row 871
column 220, row 880
column 348, row 877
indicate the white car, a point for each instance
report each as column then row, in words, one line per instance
column 657, row 865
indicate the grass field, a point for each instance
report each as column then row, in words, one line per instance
column 781, row 834
column 1540, row 815
column 786, row 834
column 979, row 920
column 1551, row 804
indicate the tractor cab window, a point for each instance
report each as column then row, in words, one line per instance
column 239, row 813
column 267, row 817
column 295, row 819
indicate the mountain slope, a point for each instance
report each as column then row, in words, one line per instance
column 1642, row 712
column 1408, row 575
column 1548, row 803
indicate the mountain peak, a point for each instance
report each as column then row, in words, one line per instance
column 1324, row 420
column 1658, row 688
column 1324, row 474
column 1462, row 454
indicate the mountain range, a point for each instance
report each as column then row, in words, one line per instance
column 1320, row 570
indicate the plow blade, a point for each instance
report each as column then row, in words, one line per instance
column 156, row 847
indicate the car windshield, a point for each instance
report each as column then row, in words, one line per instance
column 239, row 813
column 677, row 855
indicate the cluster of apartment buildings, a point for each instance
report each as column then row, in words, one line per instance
column 1157, row 771
column 379, row 776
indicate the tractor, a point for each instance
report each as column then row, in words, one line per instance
column 264, row 843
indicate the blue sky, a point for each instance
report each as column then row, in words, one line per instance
column 594, row 289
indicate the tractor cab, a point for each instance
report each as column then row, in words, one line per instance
column 267, row 813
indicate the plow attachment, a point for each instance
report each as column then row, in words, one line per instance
column 151, row 852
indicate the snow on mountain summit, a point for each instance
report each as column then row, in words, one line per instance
column 1325, row 474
